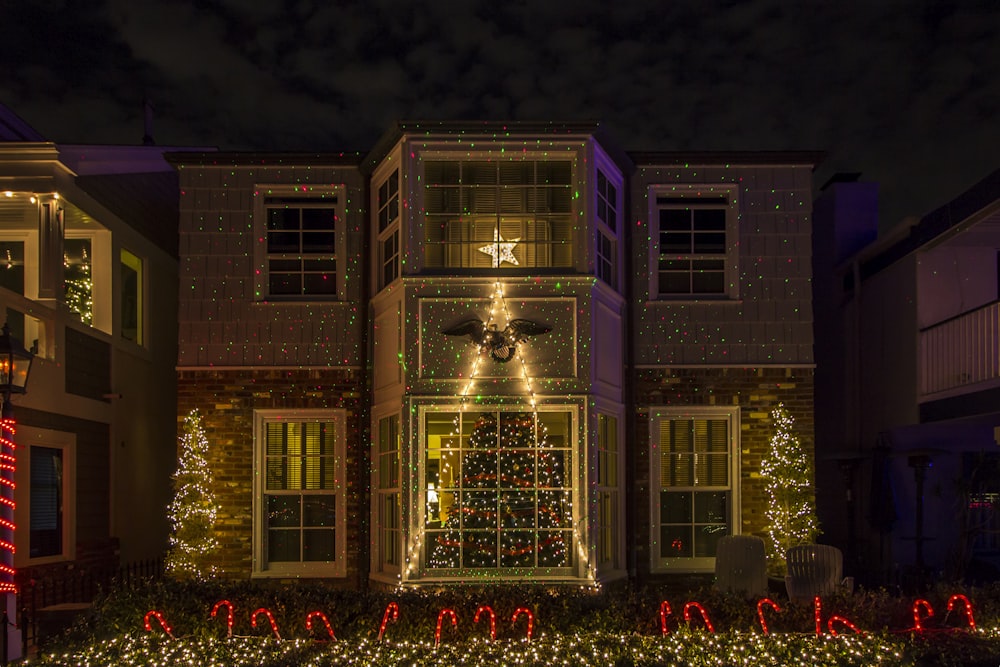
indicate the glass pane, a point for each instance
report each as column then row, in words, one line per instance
column 319, row 242
column 319, row 510
column 675, row 220
column 283, row 546
column 675, row 507
column 711, row 507
column 517, row 510
column 709, row 219
column 517, row 548
column 517, row 469
column 12, row 266
column 283, row 219
column 554, row 509
column 279, row 477
column 284, row 284
column 675, row 542
column 283, row 511
column 46, row 527
column 553, row 548
column 324, row 283
column 706, row 540
column 480, row 550
column 319, row 545
column 478, row 511
column 441, row 172
column 445, row 548
column 319, row 218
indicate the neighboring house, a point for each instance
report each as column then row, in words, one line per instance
column 491, row 351
column 88, row 276
column 911, row 397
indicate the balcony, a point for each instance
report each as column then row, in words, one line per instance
column 960, row 352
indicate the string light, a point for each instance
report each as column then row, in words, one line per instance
column 831, row 625
column 531, row 619
column 326, row 622
column 760, row 612
column 701, row 610
column 665, row 611
column 441, row 616
column 192, row 511
column 391, row 613
column 966, row 605
column 270, row 619
column 8, row 465
column 229, row 614
column 162, row 621
column 918, row 619
column 493, row 620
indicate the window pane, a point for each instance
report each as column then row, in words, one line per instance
column 711, row 507
column 675, row 542
column 283, row 546
column 130, row 305
column 78, row 279
column 675, row 507
column 46, row 502
column 12, row 266
column 318, row 545
column 283, row 511
column 706, row 540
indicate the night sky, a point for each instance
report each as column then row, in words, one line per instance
column 904, row 91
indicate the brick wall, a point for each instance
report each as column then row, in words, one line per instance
column 226, row 401
column 756, row 391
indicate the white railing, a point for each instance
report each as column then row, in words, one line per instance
column 962, row 351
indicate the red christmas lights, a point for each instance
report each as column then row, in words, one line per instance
column 270, row 619
column 818, row 615
column 8, row 467
column 321, row 616
column 391, row 608
column 967, row 606
column 493, row 620
column 229, row 615
column 531, row 619
column 701, row 610
column 159, row 617
column 441, row 616
column 917, row 618
column 665, row 611
column 760, row 612
column 843, row 621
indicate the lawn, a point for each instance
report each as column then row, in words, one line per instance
column 532, row 625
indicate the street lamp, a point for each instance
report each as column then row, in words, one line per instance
column 15, row 365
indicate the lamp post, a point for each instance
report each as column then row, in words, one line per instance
column 15, row 365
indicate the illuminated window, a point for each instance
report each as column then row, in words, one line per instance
column 390, row 548
column 78, row 281
column 300, row 249
column 12, row 266
column 388, row 229
column 498, row 493
column 130, row 293
column 498, row 214
column 694, row 242
column 695, row 458
column 299, row 505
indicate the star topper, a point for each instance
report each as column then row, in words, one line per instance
column 500, row 250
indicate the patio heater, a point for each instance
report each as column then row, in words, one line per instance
column 15, row 365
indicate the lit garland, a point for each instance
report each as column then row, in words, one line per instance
column 8, row 466
column 193, row 509
column 78, row 287
column 787, row 471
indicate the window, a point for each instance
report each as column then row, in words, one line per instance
column 299, row 504
column 390, row 546
column 696, row 477
column 12, row 266
column 607, row 491
column 130, row 295
column 301, row 238
column 78, row 282
column 606, row 269
column 695, row 246
column 498, row 489
column 498, row 215
column 607, row 201
column 607, row 216
column 47, row 497
column 388, row 230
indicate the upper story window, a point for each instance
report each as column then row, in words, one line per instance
column 606, row 251
column 498, row 214
column 78, row 281
column 694, row 233
column 388, row 229
column 130, row 294
column 300, row 243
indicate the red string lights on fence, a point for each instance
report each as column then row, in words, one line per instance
column 270, row 619
column 665, row 611
column 967, row 606
column 159, row 617
column 493, row 620
column 818, row 615
column 393, row 609
column 701, row 610
column 918, row 620
column 441, row 616
column 8, row 466
column 531, row 619
column 229, row 614
column 760, row 612
column 321, row 616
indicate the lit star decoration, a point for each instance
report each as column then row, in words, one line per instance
column 500, row 250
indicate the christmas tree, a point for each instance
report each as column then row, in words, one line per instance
column 78, row 286
column 509, row 505
column 192, row 511
column 788, row 473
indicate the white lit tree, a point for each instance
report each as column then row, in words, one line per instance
column 788, row 473
column 78, row 286
column 192, row 511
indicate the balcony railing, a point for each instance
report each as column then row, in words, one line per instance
column 962, row 351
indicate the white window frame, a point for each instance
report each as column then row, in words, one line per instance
column 336, row 195
column 609, row 487
column 262, row 568
column 381, row 560
column 388, row 239
column 140, row 338
column 606, row 265
column 26, row 438
column 102, row 263
column 578, row 569
column 660, row 564
column 730, row 257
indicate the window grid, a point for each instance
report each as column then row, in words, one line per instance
column 388, row 229
column 301, row 246
column 388, row 492
column 607, row 491
column 692, row 242
column 522, row 209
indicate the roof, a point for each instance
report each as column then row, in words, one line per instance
column 14, row 128
column 261, row 159
column 664, row 158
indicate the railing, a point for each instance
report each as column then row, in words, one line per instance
column 962, row 351
column 75, row 586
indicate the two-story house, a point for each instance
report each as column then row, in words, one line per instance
column 912, row 394
column 491, row 351
column 88, row 279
